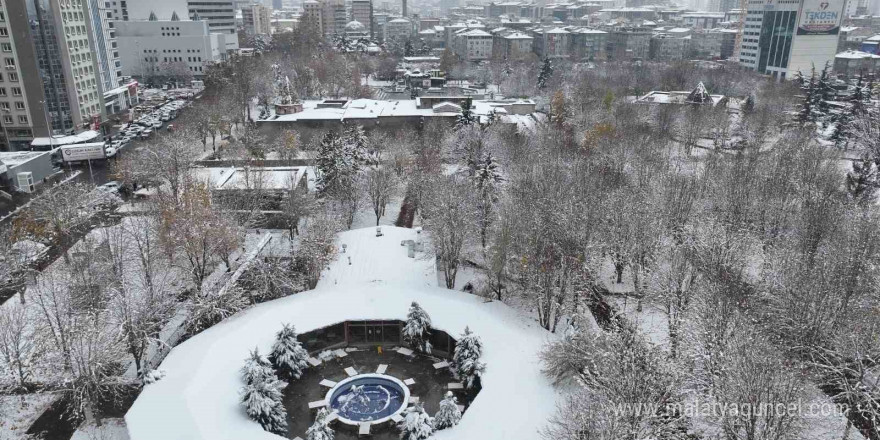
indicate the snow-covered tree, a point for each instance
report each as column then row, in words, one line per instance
column 380, row 184
column 862, row 180
column 450, row 216
column 288, row 355
column 320, row 429
column 466, row 359
column 466, row 117
column 448, row 415
column 334, row 165
column 262, row 401
column 487, row 176
column 545, row 73
column 416, row 330
column 416, row 424
column 256, row 367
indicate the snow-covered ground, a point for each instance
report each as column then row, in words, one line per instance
column 17, row 413
column 373, row 279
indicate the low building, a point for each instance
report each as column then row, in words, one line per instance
column 667, row 47
column 853, row 63
column 25, row 170
column 148, row 48
column 698, row 96
column 702, row 20
column 706, row 45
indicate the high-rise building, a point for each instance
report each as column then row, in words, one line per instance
column 313, row 15
column 257, row 20
column 362, row 12
column 67, row 64
column 783, row 37
column 153, row 47
column 104, row 43
column 334, row 17
column 22, row 100
column 220, row 15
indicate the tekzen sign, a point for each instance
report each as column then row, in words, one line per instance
column 76, row 153
column 820, row 17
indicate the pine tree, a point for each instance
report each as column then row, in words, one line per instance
column 823, row 93
column 546, row 73
column 466, row 117
column 288, row 356
column 320, row 430
column 448, row 415
column 416, row 330
column 261, row 395
column 416, row 424
column 862, row 180
column 354, row 140
column 486, row 174
column 466, row 359
column 256, row 367
column 339, row 159
column 262, row 402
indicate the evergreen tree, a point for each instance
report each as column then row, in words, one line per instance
column 408, row 49
column 416, row 424
column 354, row 140
column 288, row 355
column 546, row 73
column 805, row 114
column 262, row 402
column 416, row 330
column 261, row 395
column 486, row 174
column 862, row 180
column 842, row 127
column 448, row 415
column 320, row 430
column 466, row 359
column 338, row 161
column 256, row 367
column 823, row 93
column 466, row 117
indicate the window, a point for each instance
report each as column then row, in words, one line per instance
column 16, row 91
column 7, row 119
column 10, row 62
column 4, row 32
column 4, row 105
column 22, row 119
column 2, row 91
column 19, row 105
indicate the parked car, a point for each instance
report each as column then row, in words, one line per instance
column 146, row 134
column 112, row 186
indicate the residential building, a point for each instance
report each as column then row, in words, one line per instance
column 702, row 20
column 473, row 45
column 551, row 43
column 312, row 15
column 788, row 36
column 588, row 44
column 151, row 47
column 667, row 47
column 362, row 12
column 220, row 15
column 398, row 29
column 257, row 20
column 379, row 20
column 706, row 45
column 625, row 44
column 511, row 45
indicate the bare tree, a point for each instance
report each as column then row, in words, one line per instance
column 19, row 342
column 380, row 185
column 450, row 218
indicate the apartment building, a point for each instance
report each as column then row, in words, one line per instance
column 362, row 12
column 473, row 44
column 220, row 15
column 398, row 29
column 511, row 45
column 257, row 20
column 552, row 43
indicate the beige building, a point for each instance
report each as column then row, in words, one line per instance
column 257, row 20
column 511, row 45
column 473, row 44
column 362, row 12
column 398, row 29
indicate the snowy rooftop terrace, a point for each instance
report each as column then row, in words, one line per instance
column 230, row 178
column 198, row 397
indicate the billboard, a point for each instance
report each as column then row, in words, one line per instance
column 820, row 17
column 78, row 152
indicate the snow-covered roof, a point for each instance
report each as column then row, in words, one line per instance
column 16, row 158
column 518, row 36
column 231, row 178
column 198, row 399
column 65, row 140
column 855, row 55
column 354, row 25
column 399, row 20
column 679, row 30
column 557, row 31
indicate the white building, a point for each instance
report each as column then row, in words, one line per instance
column 219, row 14
column 362, row 12
column 150, row 46
column 787, row 36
